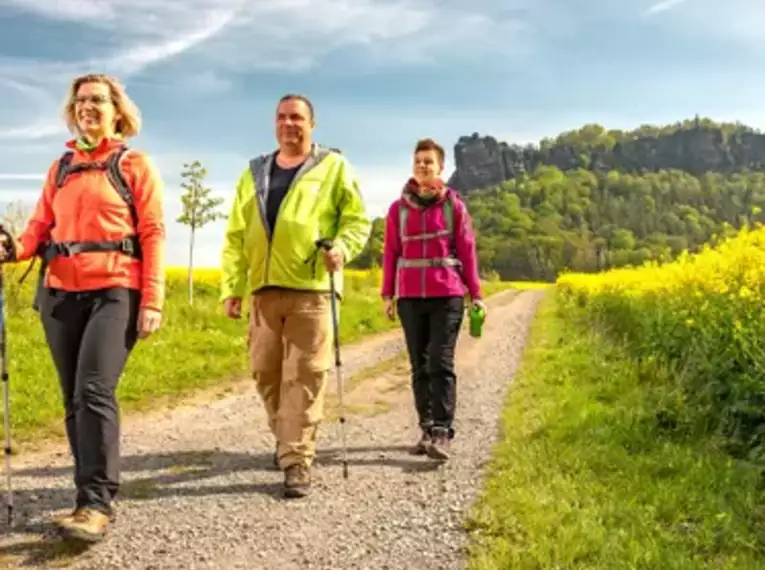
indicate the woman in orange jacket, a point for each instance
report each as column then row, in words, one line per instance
column 99, row 226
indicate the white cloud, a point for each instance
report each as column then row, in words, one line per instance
column 21, row 176
column 733, row 23
column 662, row 6
column 240, row 35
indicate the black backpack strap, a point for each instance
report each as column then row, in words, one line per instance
column 63, row 168
column 119, row 183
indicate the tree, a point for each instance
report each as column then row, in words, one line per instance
column 198, row 209
column 15, row 217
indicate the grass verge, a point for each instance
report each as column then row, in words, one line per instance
column 585, row 477
column 197, row 348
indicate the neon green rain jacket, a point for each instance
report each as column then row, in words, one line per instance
column 324, row 201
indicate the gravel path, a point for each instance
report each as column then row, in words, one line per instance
column 199, row 490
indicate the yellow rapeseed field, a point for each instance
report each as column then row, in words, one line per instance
column 700, row 318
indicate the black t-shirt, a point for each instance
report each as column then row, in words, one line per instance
column 281, row 178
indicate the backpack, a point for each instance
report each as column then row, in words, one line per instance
column 447, row 206
column 129, row 245
column 112, row 167
column 451, row 261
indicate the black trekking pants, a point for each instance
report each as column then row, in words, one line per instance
column 90, row 336
column 431, row 327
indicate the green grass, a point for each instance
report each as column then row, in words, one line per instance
column 197, row 348
column 584, row 476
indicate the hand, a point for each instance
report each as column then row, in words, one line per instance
column 478, row 303
column 233, row 307
column 333, row 259
column 390, row 309
column 148, row 321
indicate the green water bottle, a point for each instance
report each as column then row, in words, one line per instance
column 477, row 317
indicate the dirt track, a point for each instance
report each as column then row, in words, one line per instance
column 200, row 492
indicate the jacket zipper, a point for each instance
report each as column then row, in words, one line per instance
column 264, row 220
column 271, row 231
column 424, row 239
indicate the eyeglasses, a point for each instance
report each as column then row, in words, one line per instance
column 95, row 99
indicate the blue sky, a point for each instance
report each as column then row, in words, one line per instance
column 382, row 73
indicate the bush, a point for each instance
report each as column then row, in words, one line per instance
column 700, row 318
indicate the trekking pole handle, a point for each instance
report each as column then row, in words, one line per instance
column 325, row 243
column 10, row 244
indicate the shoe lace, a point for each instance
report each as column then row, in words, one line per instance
column 83, row 515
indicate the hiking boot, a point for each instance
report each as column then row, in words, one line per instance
column 439, row 448
column 87, row 525
column 422, row 446
column 66, row 518
column 297, row 481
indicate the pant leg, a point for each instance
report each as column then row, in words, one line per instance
column 445, row 322
column 413, row 314
column 308, row 340
column 266, row 350
column 110, row 335
column 63, row 320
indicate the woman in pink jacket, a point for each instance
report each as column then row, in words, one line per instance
column 429, row 265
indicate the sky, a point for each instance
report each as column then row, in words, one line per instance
column 206, row 76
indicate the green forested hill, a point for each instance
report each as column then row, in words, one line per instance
column 595, row 198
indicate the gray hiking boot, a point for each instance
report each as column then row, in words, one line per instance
column 422, row 446
column 439, row 448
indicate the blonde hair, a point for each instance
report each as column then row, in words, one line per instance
column 129, row 121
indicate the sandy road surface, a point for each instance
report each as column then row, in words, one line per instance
column 200, row 492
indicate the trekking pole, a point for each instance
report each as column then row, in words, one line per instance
column 9, row 245
column 327, row 245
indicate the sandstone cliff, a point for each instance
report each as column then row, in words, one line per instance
column 696, row 146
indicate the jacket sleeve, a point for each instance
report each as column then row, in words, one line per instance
column 149, row 193
column 464, row 239
column 38, row 227
column 391, row 251
column 354, row 226
column 233, row 258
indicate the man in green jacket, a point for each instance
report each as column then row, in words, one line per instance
column 285, row 201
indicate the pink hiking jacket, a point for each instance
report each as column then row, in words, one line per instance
column 405, row 271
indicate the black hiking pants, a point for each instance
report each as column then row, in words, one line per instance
column 90, row 336
column 431, row 327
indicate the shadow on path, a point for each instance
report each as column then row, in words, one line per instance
column 189, row 467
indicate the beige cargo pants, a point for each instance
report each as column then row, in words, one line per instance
column 290, row 341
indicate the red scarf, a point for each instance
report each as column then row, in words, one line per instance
column 437, row 187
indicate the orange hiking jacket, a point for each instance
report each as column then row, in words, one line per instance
column 88, row 208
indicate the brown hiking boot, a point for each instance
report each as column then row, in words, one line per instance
column 297, row 481
column 87, row 525
column 422, row 446
column 439, row 448
column 67, row 517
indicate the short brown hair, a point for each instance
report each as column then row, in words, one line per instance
column 129, row 123
column 298, row 97
column 430, row 144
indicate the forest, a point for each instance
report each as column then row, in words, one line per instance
column 593, row 198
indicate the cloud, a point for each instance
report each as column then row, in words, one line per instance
column 662, row 6
column 237, row 35
column 21, row 176
column 135, row 36
column 734, row 24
